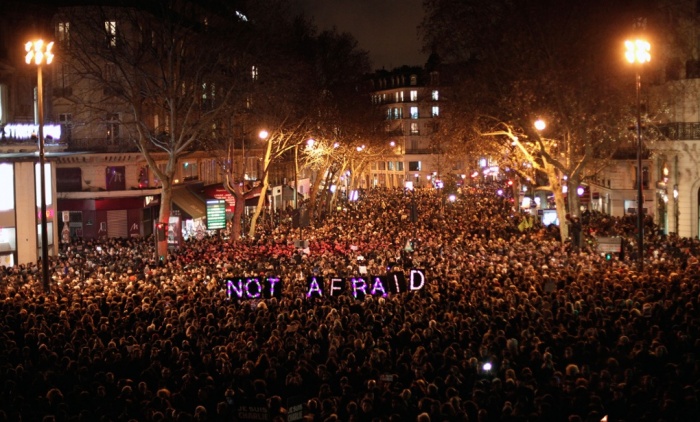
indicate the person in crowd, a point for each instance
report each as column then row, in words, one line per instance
column 511, row 326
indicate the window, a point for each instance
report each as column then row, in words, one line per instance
column 414, row 112
column 414, row 95
column 390, row 166
column 645, row 178
column 111, row 86
column 414, row 166
column 208, row 92
column 7, row 187
column 435, row 95
column 112, row 122
column 110, row 72
column 111, row 32
column 254, row 73
column 382, row 165
column 398, row 113
column 399, row 96
column 66, row 121
column 414, row 129
column 189, row 170
column 143, row 177
column 414, row 80
column 399, row 165
column 435, row 111
column 63, row 34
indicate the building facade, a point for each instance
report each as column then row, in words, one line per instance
column 411, row 99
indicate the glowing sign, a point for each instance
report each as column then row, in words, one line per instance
column 27, row 131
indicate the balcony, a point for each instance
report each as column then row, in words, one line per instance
column 681, row 131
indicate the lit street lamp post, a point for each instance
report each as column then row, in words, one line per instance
column 638, row 52
column 39, row 53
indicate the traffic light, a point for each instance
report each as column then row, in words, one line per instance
column 608, row 256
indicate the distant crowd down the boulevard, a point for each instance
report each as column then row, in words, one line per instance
column 463, row 315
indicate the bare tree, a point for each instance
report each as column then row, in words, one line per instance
column 165, row 73
column 531, row 60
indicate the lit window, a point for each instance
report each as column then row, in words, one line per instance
column 189, row 170
column 208, row 92
column 414, row 129
column 112, row 126
column 7, row 188
column 414, row 112
column 435, row 95
column 254, row 73
column 435, row 111
column 111, row 31
column 63, row 33
column 414, row 95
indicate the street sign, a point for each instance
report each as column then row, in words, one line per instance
column 216, row 214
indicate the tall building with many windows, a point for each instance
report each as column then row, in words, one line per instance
column 412, row 99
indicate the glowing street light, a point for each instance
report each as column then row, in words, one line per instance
column 540, row 125
column 638, row 52
column 39, row 53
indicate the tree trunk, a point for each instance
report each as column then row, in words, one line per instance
column 573, row 199
column 560, row 203
column 263, row 190
column 166, row 195
column 238, row 208
column 313, row 194
column 258, row 208
column 334, row 195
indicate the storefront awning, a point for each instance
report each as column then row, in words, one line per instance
column 189, row 202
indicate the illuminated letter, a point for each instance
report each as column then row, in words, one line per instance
column 231, row 287
column 334, row 286
column 314, row 287
column 272, row 281
column 399, row 282
column 247, row 288
column 358, row 284
column 378, row 286
column 417, row 274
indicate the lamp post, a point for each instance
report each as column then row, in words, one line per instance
column 39, row 52
column 638, row 52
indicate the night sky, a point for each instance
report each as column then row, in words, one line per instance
column 388, row 29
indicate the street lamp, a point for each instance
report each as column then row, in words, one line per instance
column 39, row 52
column 638, row 52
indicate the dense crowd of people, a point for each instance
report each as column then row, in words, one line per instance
column 513, row 325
